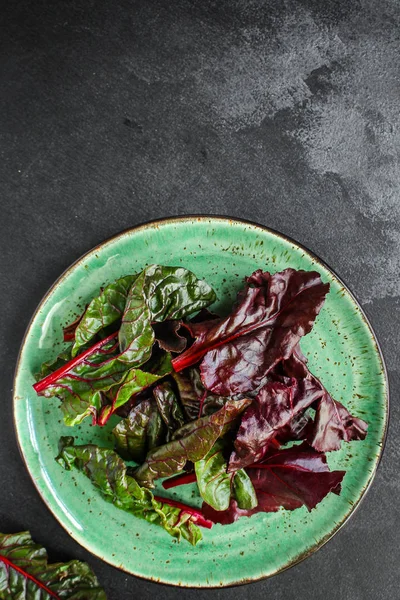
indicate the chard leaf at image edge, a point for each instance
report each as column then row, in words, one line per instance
column 25, row 573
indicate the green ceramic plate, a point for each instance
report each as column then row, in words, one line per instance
column 342, row 351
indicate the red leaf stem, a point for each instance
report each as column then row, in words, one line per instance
column 53, row 377
column 197, row 516
column 8, row 563
column 182, row 479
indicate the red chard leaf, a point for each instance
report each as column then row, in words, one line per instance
column 299, row 428
column 333, row 422
column 274, row 407
column 272, row 313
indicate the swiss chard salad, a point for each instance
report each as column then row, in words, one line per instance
column 224, row 402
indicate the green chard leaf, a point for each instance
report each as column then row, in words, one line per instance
column 169, row 407
column 191, row 443
column 158, row 294
column 149, row 424
column 26, row 575
column 245, row 493
column 140, row 432
column 192, row 393
column 108, row 473
column 217, row 487
column 82, row 386
column 52, row 365
column 135, row 381
column 102, row 311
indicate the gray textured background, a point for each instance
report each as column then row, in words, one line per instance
column 286, row 113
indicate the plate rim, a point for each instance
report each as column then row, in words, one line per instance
column 153, row 223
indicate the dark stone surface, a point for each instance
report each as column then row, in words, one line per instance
column 286, row 113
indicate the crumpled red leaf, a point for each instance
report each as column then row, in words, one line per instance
column 274, row 407
column 333, row 422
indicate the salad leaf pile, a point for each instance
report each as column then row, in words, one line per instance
column 228, row 402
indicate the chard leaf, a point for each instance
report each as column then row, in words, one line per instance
column 168, row 336
column 102, row 311
column 293, row 477
column 192, row 393
column 270, row 316
column 299, row 428
column 52, row 365
column 214, row 483
column 191, row 443
column 289, row 478
column 274, row 408
column 25, row 573
column 82, row 379
column 140, row 432
column 108, row 473
column 333, row 422
column 217, row 487
column 149, row 424
column 244, row 491
column 158, row 294
column 135, row 381
column 169, row 408
column 83, row 382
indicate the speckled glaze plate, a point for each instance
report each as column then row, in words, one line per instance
column 342, row 351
